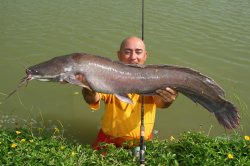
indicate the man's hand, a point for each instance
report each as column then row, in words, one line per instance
column 168, row 95
column 81, row 78
column 165, row 97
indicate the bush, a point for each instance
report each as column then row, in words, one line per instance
column 22, row 147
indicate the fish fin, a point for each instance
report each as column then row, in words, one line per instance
column 72, row 80
column 124, row 98
column 228, row 115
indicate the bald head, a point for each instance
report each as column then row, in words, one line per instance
column 132, row 39
column 132, row 51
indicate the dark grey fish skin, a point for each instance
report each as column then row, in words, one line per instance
column 107, row 76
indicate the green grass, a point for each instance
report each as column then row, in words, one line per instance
column 26, row 147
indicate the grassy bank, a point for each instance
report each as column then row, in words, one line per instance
column 22, row 147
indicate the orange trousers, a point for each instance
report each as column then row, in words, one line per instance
column 126, row 142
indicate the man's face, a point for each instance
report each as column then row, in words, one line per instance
column 133, row 51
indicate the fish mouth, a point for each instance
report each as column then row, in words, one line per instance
column 28, row 77
column 41, row 78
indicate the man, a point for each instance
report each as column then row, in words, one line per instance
column 121, row 121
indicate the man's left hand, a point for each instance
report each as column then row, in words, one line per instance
column 168, row 95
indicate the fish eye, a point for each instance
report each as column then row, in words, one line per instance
column 34, row 71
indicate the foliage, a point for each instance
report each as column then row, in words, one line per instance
column 195, row 148
column 23, row 147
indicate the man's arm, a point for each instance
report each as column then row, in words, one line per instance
column 165, row 97
column 90, row 97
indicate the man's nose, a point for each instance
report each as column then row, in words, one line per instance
column 133, row 55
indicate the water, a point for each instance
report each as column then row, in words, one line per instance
column 210, row 36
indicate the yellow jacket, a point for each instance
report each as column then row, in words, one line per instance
column 122, row 119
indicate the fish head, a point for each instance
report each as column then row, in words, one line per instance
column 34, row 74
column 47, row 71
column 51, row 70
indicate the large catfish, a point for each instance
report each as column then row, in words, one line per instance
column 113, row 77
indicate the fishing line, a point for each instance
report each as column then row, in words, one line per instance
column 142, row 132
column 142, row 21
column 142, row 128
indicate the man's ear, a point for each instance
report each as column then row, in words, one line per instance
column 119, row 55
column 146, row 55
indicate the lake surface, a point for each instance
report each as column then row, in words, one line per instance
column 210, row 36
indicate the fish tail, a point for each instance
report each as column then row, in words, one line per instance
column 228, row 115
